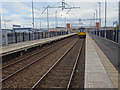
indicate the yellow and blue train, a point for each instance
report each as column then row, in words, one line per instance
column 81, row 32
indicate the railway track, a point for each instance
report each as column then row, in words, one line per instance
column 30, row 54
column 61, row 73
column 26, row 76
column 77, row 77
column 18, row 65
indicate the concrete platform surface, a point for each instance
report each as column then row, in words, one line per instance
column 99, row 71
column 29, row 44
column 109, row 48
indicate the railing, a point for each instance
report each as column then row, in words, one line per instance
column 17, row 37
column 110, row 34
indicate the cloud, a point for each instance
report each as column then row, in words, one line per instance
column 3, row 10
column 112, row 15
column 22, row 14
column 20, row 7
column 15, row 16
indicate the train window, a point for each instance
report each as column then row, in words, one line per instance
column 81, row 30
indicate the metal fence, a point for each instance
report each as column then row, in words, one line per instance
column 110, row 34
column 17, row 37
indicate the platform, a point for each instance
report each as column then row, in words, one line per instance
column 109, row 48
column 99, row 71
column 12, row 48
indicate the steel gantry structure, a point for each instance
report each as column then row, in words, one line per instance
column 63, row 6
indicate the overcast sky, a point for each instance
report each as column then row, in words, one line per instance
column 20, row 13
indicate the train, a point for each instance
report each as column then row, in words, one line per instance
column 81, row 32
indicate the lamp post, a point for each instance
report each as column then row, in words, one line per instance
column 105, row 16
column 119, row 38
column 33, row 19
column 5, row 23
column 47, row 18
column 96, row 14
column 65, row 20
column 0, row 31
column 1, row 46
column 119, row 29
column 94, row 19
column 119, row 41
column 47, row 9
column 40, row 24
column 99, row 13
column 56, row 19
column 6, row 37
column 62, row 20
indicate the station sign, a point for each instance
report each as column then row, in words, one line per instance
column 97, row 25
column 68, row 25
column 16, row 25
